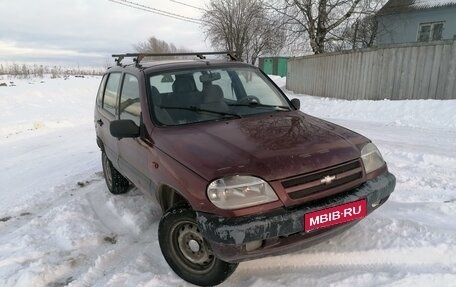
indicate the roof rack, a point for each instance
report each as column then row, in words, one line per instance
column 138, row 57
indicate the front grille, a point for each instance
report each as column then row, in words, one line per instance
column 336, row 176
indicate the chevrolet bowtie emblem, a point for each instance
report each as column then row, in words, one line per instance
column 328, row 179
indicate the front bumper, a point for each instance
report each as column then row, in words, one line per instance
column 282, row 230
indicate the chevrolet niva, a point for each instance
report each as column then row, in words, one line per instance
column 238, row 170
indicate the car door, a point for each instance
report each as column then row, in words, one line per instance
column 133, row 152
column 106, row 112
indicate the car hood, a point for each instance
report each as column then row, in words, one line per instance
column 272, row 146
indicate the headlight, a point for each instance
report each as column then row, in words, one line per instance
column 238, row 191
column 372, row 158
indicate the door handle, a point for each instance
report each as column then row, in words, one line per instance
column 100, row 122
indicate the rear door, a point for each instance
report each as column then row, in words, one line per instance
column 134, row 153
column 106, row 112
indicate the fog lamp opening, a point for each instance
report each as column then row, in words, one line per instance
column 253, row 245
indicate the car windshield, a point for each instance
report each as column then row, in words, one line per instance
column 199, row 95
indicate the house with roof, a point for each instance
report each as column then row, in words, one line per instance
column 407, row 21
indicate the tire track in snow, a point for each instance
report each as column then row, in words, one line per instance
column 74, row 186
column 109, row 219
column 134, row 229
column 24, row 214
column 48, row 262
column 418, row 256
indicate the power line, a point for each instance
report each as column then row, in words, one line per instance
column 188, row 5
column 156, row 11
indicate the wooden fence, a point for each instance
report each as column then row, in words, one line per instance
column 406, row 71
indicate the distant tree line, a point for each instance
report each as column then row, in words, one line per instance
column 35, row 70
column 157, row 46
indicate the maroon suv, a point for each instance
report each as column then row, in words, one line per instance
column 239, row 171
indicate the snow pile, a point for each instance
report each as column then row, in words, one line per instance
column 59, row 225
column 432, row 114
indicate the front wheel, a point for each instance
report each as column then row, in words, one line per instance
column 187, row 252
column 117, row 183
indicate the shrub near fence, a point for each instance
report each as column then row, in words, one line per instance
column 406, row 71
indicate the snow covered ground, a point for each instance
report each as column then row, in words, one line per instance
column 59, row 225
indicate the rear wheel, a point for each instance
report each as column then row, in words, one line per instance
column 187, row 252
column 117, row 183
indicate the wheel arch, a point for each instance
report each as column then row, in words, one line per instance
column 168, row 197
column 100, row 143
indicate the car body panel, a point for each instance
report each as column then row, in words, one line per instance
column 276, row 146
column 271, row 146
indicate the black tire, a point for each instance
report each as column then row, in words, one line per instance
column 117, row 183
column 187, row 252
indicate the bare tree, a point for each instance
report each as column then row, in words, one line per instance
column 322, row 22
column 361, row 34
column 243, row 26
column 155, row 45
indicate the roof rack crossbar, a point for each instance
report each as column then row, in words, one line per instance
column 138, row 57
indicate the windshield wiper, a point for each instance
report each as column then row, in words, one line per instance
column 197, row 110
column 256, row 104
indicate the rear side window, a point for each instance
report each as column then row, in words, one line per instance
column 130, row 106
column 110, row 94
column 101, row 91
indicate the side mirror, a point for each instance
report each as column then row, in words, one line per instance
column 296, row 103
column 124, row 129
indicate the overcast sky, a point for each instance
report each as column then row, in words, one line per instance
column 87, row 32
